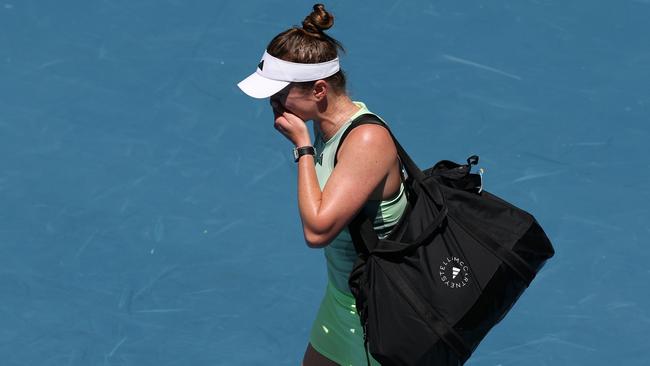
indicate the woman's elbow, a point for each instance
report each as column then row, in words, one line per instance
column 316, row 240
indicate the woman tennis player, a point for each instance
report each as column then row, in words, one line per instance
column 301, row 75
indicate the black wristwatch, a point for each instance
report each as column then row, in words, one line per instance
column 304, row 150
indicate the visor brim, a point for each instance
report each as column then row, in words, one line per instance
column 260, row 87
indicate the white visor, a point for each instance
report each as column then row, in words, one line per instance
column 273, row 75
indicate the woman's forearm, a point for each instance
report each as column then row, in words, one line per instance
column 309, row 203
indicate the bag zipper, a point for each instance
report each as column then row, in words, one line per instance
column 365, row 341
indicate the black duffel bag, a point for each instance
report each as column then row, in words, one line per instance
column 452, row 268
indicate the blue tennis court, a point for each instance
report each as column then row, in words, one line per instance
column 148, row 207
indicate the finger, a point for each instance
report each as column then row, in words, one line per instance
column 278, row 128
column 290, row 117
column 279, row 125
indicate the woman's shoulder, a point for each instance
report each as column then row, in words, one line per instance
column 369, row 132
column 368, row 140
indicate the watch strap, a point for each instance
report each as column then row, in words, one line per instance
column 303, row 150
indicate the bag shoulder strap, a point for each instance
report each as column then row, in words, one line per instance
column 414, row 173
column 364, row 119
column 362, row 225
column 369, row 118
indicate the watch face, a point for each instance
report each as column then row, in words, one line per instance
column 295, row 154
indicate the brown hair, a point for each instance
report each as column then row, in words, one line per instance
column 310, row 45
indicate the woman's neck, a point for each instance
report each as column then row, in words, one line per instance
column 336, row 113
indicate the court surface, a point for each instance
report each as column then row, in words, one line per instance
column 148, row 208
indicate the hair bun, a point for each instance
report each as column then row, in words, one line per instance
column 319, row 20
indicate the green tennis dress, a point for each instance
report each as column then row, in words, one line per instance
column 337, row 333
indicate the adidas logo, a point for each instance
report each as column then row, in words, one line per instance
column 454, row 272
column 261, row 65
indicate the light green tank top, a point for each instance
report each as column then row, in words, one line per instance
column 340, row 254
